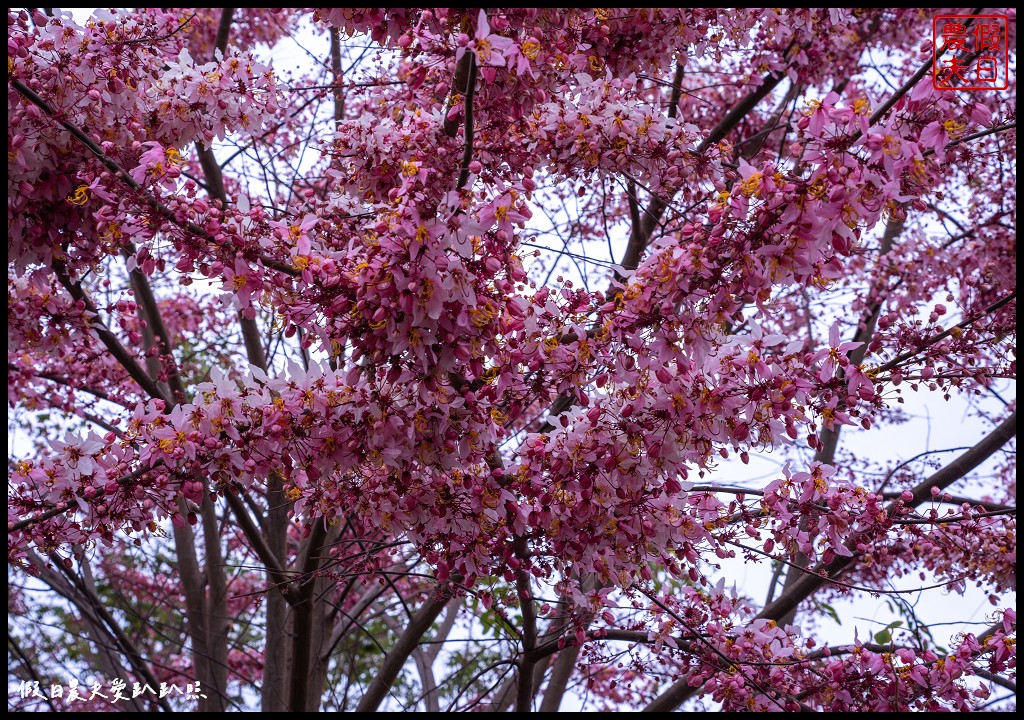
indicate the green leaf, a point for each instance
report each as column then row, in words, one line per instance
column 831, row 612
column 884, row 636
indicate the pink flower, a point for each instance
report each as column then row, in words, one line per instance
column 934, row 136
column 240, row 282
column 817, row 114
column 157, row 162
column 835, row 356
column 296, row 232
column 523, row 55
column 489, row 49
column 759, row 342
column 830, row 415
column 1009, row 619
column 79, row 453
column 859, row 384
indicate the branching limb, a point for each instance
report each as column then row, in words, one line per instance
column 122, row 481
column 392, row 663
column 811, row 582
column 109, row 340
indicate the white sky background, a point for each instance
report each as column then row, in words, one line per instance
column 935, row 424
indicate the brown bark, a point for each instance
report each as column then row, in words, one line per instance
column 400, row 652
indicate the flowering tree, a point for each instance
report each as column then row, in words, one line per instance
column 409, row 380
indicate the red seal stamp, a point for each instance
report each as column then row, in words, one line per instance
column 970, row 52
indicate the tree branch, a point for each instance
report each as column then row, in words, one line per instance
column 524, row 693
column 302, row 621
column 111, row 165
column 118, row 635
column 400, row 652
column 459, row 81
column 467, row 153
column 113, row 345
column 739, row 111
column 54, row 512
column 997, row 679
column 260, row 547
column 811, row 582
column 946, row 333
